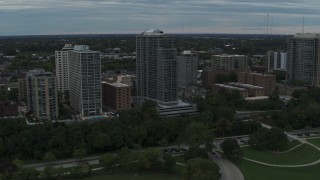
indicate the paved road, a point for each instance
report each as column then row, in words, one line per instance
column 68, row 163
column 228, row 170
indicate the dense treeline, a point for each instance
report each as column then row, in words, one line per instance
column 133, row 129
column 48, row 44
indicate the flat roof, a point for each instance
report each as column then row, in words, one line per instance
column 153, row 32
column 256, row 98
column 118, row 84
column 250, row 86
column 230, row 87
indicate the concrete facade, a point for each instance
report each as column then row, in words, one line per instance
column 85, row 81
column 229, row 62
column 187, row 69
column 42, row 94
column 62, row 67
column 276, row 60
column 304, row 59
column 156, row 67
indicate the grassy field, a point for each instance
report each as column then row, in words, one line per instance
column 138, row 176
column 253, row 171
column 302, row 155
column 315, row 141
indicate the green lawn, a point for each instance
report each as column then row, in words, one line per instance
column 292, row 144
column 253, row 171
column 301, row 155
column 180, row 159
column 315, row 141
column 138, row 176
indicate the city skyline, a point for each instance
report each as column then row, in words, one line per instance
column 36, row 17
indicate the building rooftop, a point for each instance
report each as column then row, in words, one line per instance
column 154, row 32
column 67, row 47
column 307, row 35
column 256, row 98
column 230, row 87
column 116, row 84
column 249, row 86
column 82, row 48
column 180, row 104
column 229, row 55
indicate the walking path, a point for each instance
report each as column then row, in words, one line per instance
column 303, row 141
column 228, row 170
column 282, row 152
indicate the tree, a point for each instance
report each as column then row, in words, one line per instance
column 27, row 173
column 201, row 169
column 47, row 173
column 168, row 163
column 195, row 152
column 268, row 139
column 102, row 141
column 2, row 147
column 49, row 156
column 223, row 125
column 107, row 161
column 79, row 153
column 231, row 149
column 196, row 134
column 153, row 156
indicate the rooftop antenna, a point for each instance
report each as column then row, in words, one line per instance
column 268, row 24
column 271, row 23
column 302, row 24
column 183, row 26
column 264, row 25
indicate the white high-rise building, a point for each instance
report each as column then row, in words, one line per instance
column 156, row 67
column 303, row 65
column 276, row 60
column 62, row 68
column 85, row 81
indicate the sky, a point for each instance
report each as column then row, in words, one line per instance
column 42, row 17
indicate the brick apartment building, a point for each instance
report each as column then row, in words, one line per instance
column 116, row 96
column 267, row 81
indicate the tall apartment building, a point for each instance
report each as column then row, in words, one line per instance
column 276, row 60
column 304, row 59
column 116, row 96
column 187, row 69
column 85, row 81
column 22, row 89
column 156, row 67
column 267, row 81
column 42, row 94
column 62, row 67
column 229, row 62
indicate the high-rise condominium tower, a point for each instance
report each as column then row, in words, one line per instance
column 42, row 94
column 62, row 68
column 304, row 59
column 276, row 60
column 85, row 80
column 156, row 67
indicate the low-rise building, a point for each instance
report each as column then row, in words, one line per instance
column 229, row 88
column 267, row 81
column 117, row 96
column 8, row 108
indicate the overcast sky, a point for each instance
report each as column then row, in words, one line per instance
column 33, row 17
